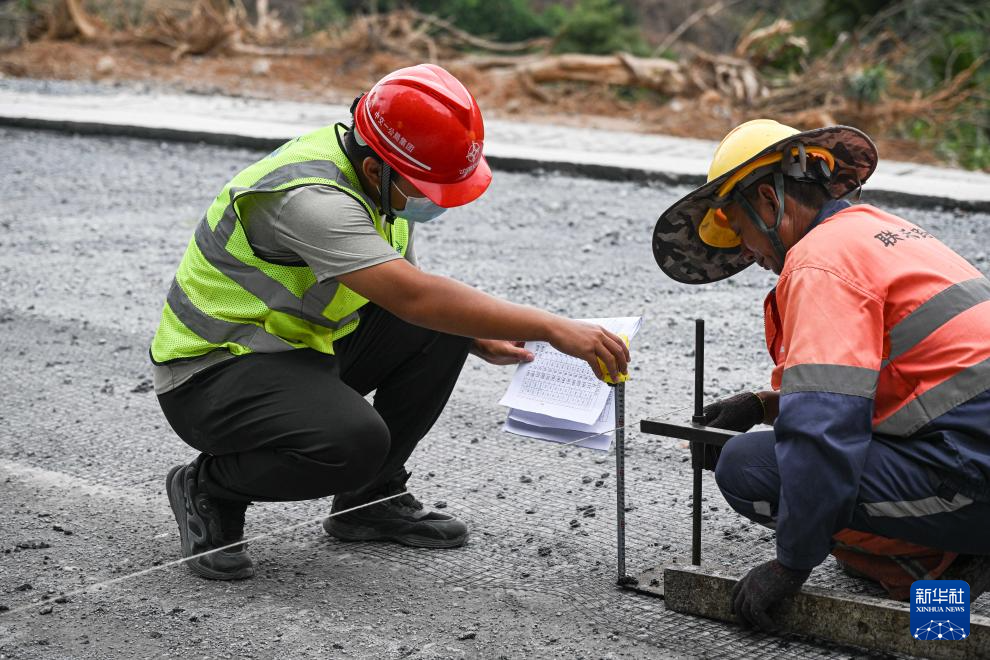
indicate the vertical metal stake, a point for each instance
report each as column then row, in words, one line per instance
column 696, row 519
column 697, row 448
column 620, row 478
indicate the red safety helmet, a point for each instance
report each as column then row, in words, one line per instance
column 425, row 124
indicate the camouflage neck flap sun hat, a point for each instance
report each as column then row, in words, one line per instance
column 692, row 241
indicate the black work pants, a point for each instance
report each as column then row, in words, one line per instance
column 296, row 426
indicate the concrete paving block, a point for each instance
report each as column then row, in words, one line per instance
column 876, row 624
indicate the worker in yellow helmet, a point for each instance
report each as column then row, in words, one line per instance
column 880, row 448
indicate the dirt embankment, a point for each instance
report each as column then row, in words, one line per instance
column 331, row 78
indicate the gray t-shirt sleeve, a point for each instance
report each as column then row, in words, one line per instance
column 330, row 231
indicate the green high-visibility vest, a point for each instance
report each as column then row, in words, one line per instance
column 224, row 296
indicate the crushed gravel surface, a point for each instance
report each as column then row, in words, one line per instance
column 91, row 230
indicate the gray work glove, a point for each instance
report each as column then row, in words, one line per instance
column 762, row 587
column 740, row 412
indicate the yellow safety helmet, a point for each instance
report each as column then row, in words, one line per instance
column 693, row 242
column 735, row 150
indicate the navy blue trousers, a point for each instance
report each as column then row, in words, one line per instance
column 898, row 497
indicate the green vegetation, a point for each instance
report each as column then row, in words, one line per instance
column 956, row 140
column 918, row 69
column 500, row 20
column 923, row 45
column 583, row 26
column 320, row 14
column 867, row 85
column 595, row 26
column 886, row 50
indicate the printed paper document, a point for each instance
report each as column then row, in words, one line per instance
column 557, row 397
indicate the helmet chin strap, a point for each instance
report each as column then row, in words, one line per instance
column 769, row 232
column 385, row 193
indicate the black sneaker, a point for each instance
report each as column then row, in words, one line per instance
column 402, row 519
column 206, row 523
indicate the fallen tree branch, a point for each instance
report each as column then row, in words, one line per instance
column 706, row 12
column 478, row 42
column 782, row 27
column 210, row 25
column 88, row 27
column 657, row 74
column 241, row 48
column 731, row 77
column 488, row 62
column 68, row 18
column 530, row 87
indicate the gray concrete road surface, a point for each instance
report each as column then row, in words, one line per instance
column 91, row 230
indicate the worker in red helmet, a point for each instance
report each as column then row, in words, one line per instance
column 299, row 294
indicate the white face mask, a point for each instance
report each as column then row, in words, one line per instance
column 419, row 209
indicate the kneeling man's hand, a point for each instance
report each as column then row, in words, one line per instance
column 737, row 413
column 762, row 587
column 499, row 351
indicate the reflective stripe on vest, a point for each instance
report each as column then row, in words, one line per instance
column 225, row 296
column 212, row 244
column 217, row 331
